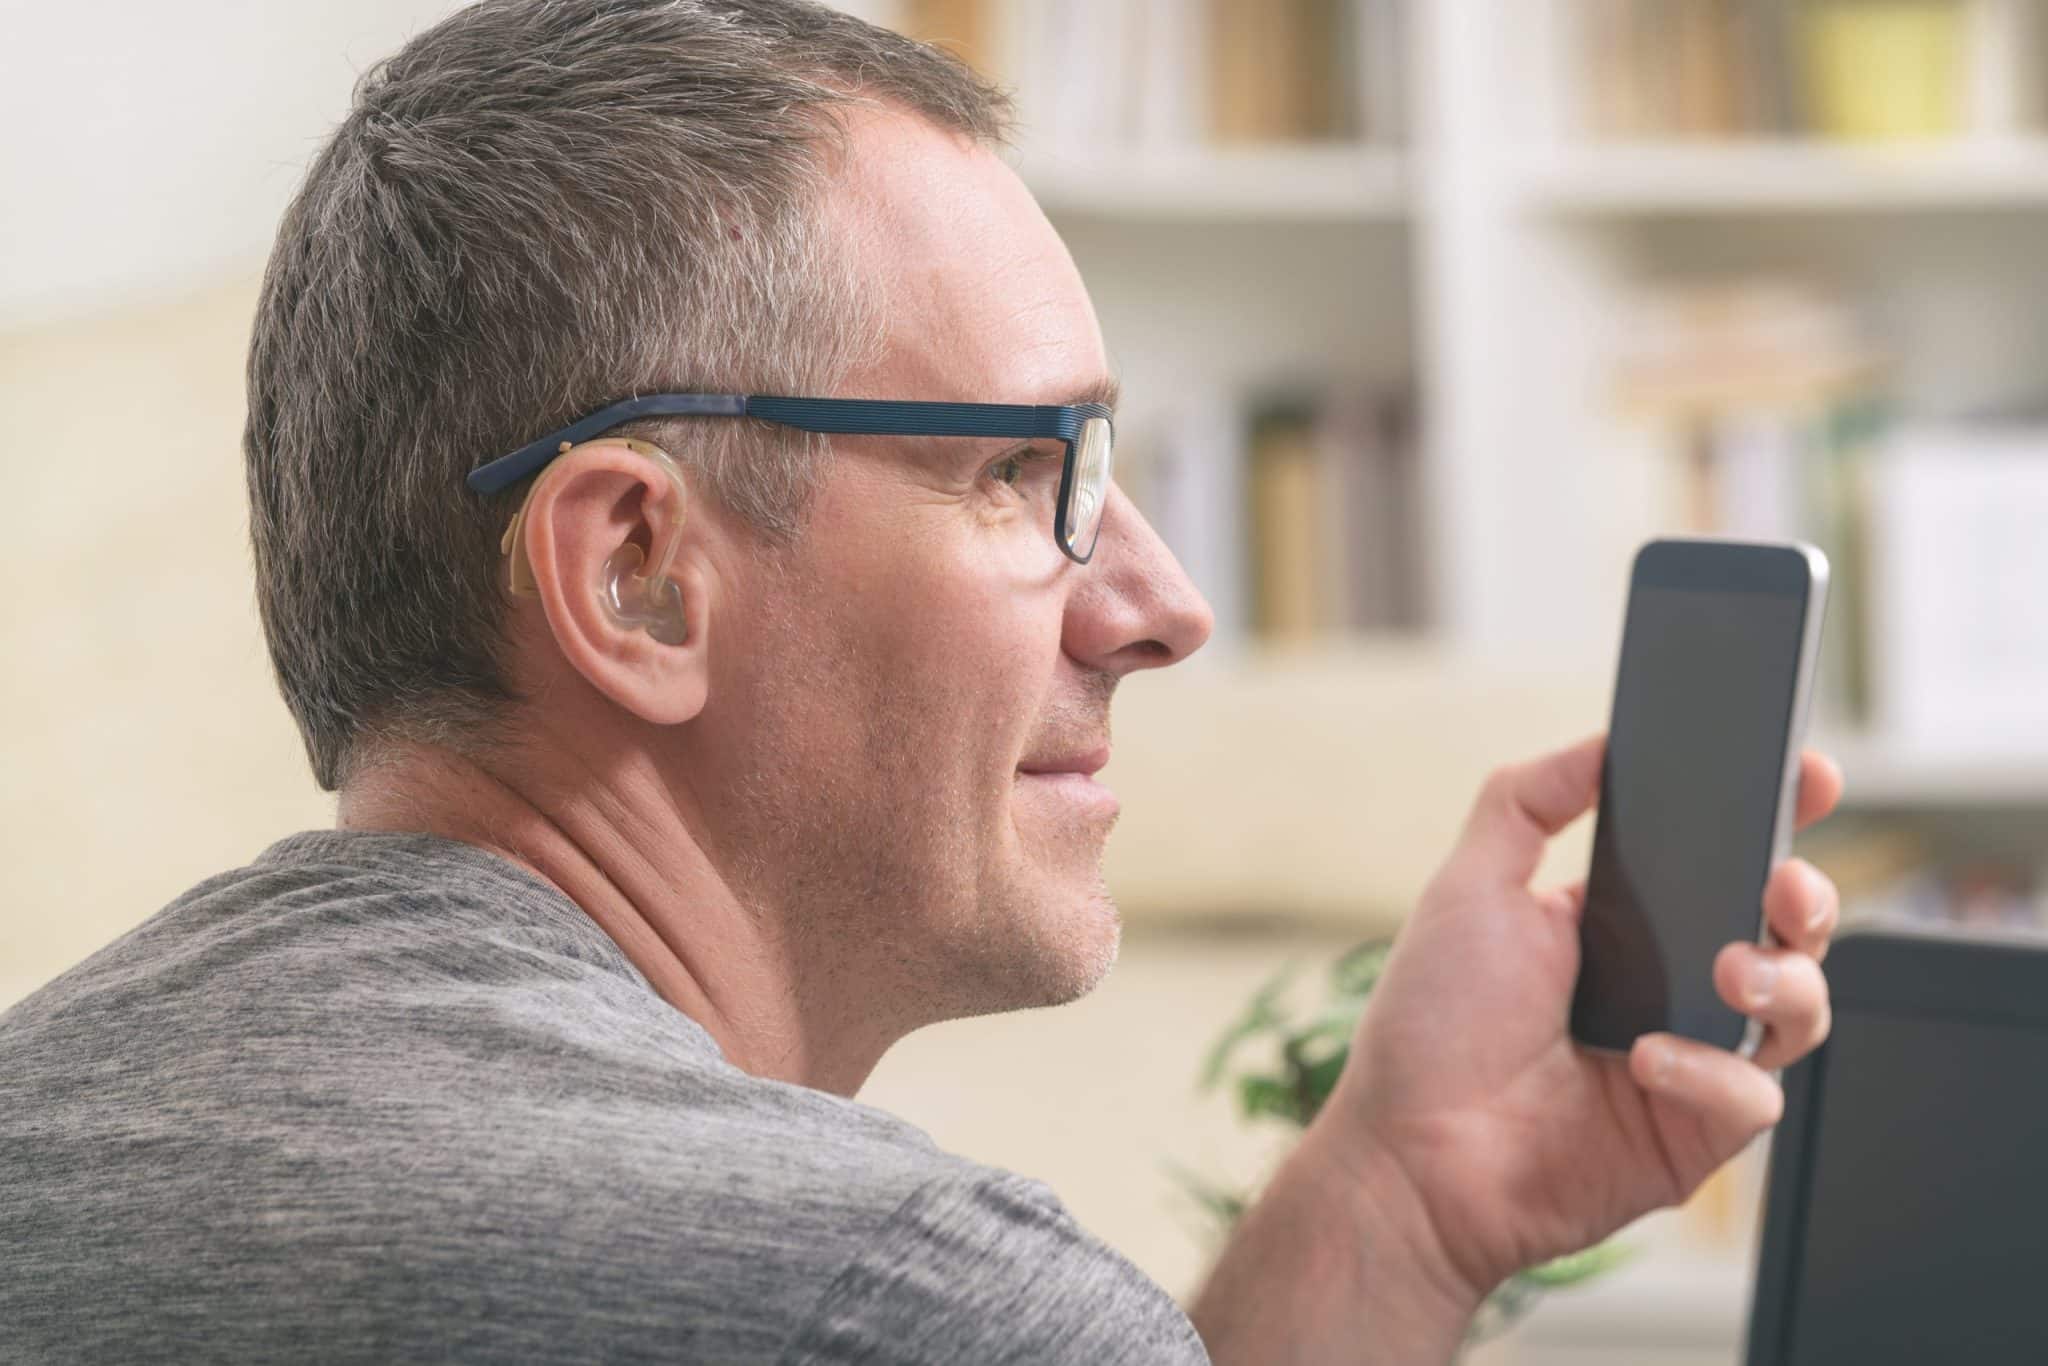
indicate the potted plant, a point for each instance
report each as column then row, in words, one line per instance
column 1292, row 1087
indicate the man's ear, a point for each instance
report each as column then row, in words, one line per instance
column 588, row 504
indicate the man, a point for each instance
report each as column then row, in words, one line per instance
column 748, row 751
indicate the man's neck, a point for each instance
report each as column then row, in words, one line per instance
column 647, row 884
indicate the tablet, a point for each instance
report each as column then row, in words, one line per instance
column 1906, row 1215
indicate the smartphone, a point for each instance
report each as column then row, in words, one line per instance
column 1700, row 783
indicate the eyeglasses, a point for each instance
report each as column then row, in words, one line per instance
column 1085, row 428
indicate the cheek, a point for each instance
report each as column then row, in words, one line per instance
column 943, row 634
column 981, row 652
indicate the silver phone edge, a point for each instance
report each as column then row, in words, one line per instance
column 1817, row 576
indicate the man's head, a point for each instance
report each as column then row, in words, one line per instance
column 537, row 208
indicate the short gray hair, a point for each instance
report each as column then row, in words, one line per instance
column 532, row 209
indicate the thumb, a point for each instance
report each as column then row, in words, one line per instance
column 1521, row 807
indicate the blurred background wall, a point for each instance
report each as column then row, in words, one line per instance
column 1427, row 313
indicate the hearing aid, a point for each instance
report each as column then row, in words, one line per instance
column 652, row 601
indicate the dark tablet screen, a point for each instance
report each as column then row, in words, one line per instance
column 1926, row 1220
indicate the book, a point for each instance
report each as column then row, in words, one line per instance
column 1274, row 70
column 1169, row 73
column 1895, row 71
column 1372, row 52
column 1194, row 498
column 965, row 28
column 1285, row 490
column 1370, row 506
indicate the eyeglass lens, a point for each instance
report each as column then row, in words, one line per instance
column 1090, row 489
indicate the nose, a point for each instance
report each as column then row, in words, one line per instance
column 1133, row 606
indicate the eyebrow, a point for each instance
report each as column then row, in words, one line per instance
column 1105, row 391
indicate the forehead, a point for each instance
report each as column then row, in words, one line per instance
column 979, row 299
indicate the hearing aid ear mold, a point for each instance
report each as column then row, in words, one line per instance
column 650, row 601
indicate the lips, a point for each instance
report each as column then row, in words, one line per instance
column 1085, row 762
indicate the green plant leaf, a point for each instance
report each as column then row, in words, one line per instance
column 1223, row 1206
column 1574, row 1267
column 1268, row 1096
column 1260, row 1015
column 1319, row 1080
column 1338, row 1021
column 1358, row 971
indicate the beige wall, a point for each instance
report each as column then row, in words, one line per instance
column 147, row 747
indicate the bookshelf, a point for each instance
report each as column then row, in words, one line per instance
column 1492, row 246
column 1486, row 244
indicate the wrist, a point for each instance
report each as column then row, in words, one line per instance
column 1394, row 1211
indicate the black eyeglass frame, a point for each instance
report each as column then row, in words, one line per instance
column 844, row 416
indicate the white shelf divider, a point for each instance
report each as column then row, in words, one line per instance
column 1786, row 176
column 1880, row 772
column 1314, row 182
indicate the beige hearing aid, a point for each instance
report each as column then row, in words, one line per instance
column 652, row 599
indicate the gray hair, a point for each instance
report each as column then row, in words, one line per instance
column 534, row 208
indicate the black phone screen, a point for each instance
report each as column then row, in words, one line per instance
column 1689, row 795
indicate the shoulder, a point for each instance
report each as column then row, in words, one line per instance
column 981, row 1264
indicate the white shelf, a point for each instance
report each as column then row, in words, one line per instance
column 1878, row 772
column 1334, row 182
column 1790, row 177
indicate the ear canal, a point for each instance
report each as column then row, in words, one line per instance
column 636, row 601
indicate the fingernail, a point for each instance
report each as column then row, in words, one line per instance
column 1663, row 1065
column 1823, row 899
column 1763, row 980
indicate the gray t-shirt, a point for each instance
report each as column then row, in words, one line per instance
column 382, row 1097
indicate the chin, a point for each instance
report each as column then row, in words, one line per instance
column 1087, row 936
column 1061, row 951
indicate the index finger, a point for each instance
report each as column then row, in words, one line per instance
column 1523, row 805
column 1820, row 787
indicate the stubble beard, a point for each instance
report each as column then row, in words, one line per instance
column 906, row 893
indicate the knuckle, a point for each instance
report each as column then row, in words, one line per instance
column 1812, row 981
column 1823, row 1024
column 1773, row 1105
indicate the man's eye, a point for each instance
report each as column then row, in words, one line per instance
column 1013, row 468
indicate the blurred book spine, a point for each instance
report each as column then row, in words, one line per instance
column 1850, row 70
column 1274, row 66
column 965, row 28
column 1091, row 75
column 1294, row 512
column 1885, row 70
column 1291, row 581
column 1185, row 472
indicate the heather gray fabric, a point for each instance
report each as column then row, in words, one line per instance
column 389, row 1097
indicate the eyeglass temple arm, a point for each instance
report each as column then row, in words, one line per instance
column 845, row 416
column 507, row 470
column 889, row 417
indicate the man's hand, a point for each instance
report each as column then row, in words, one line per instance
column 1464, row 1082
